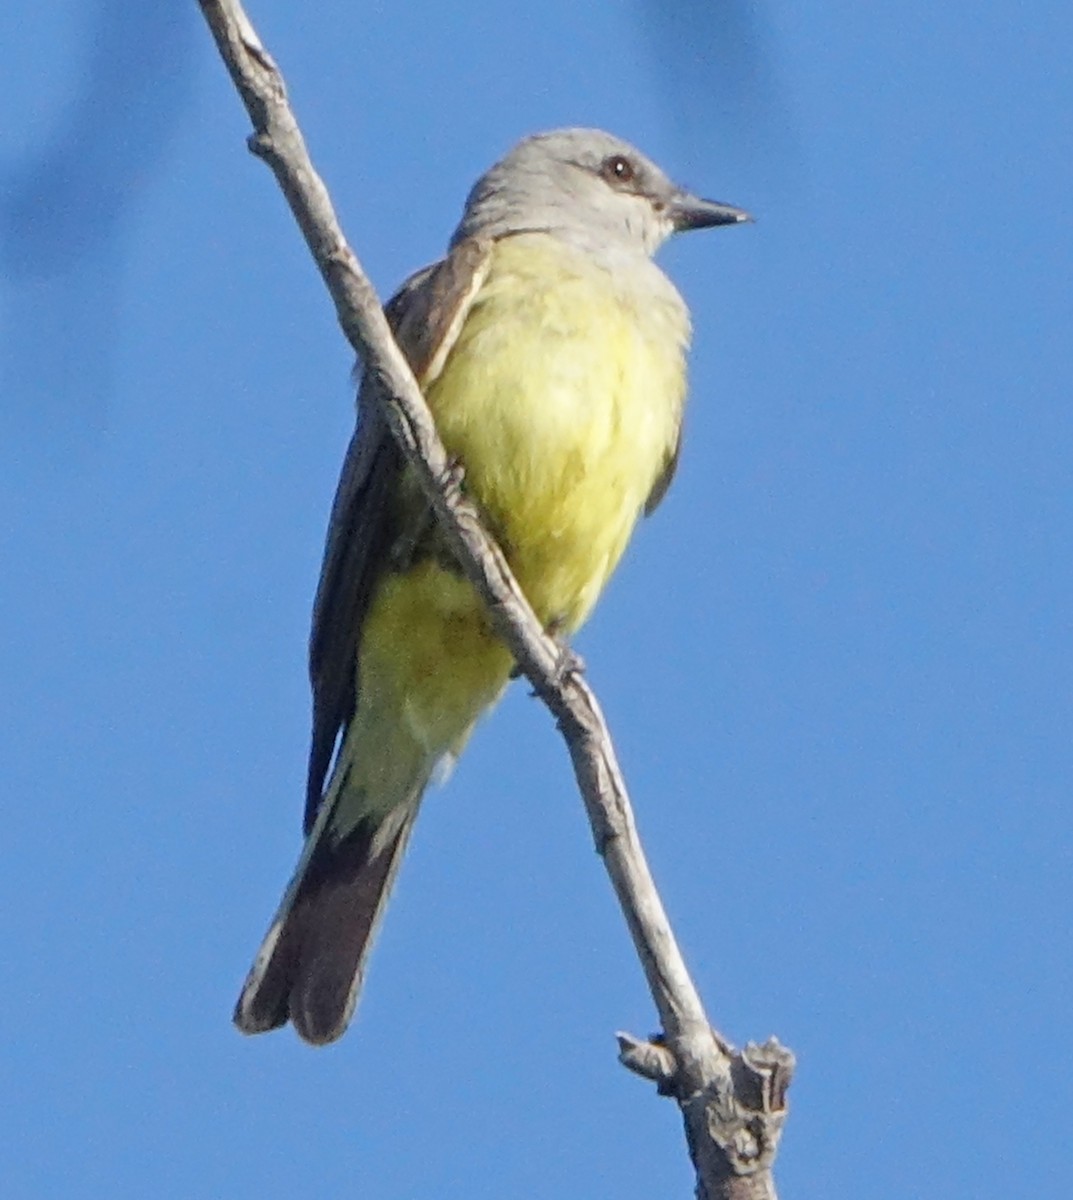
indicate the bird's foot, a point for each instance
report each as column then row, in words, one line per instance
column 452, row 478
column 569, row 662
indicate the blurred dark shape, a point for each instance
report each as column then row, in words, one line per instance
column 66, row 207
column 716, row 62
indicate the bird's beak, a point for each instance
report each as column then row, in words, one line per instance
column 691, row 212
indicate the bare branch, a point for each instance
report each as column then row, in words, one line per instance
column 733, row 1102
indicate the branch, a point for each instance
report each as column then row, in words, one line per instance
column 733, row 1102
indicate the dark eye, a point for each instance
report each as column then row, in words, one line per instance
column 618, row 169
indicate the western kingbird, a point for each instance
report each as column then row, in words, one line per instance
column 551, row 350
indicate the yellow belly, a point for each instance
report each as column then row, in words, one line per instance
column 563, row 403
column 562, row 400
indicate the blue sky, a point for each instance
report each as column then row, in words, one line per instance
column 837, row 662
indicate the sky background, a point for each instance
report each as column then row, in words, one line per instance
column 837, row 662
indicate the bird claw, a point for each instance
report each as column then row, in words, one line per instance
column 569, row 663
column 453, row 477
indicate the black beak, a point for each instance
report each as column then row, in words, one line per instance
column 691, row 212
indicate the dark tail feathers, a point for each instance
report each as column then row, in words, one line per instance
column 310, row 966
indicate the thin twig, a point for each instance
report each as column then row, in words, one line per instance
column 733, row 1102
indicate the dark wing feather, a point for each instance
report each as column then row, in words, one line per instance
column 425, row 315
column 665, row 478
column 359, row 535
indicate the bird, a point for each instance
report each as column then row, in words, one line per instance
column 551, row 350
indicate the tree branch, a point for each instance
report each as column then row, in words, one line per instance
column 733, row 1102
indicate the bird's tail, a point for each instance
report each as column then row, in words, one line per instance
column 310, row 966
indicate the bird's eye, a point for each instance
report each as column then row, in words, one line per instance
column 618, row 169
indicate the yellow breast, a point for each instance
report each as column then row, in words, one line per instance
column 562, row 398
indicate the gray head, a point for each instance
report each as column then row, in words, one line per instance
column 590, row 188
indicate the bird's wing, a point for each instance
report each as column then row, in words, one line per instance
column 425, row 315
column 665, row 477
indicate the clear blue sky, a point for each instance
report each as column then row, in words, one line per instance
column 837, row 662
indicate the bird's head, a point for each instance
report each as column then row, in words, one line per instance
column 590, row 188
